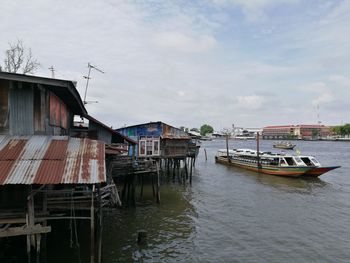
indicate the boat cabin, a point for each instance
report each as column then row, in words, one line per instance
column 268, row 158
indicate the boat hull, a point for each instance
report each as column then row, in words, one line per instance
column 284, row 147
column 273, row 170
column 317, row 171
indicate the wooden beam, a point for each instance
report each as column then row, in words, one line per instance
column 19, row 231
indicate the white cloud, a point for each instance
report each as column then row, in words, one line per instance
column 180, row 42
column 187, row 62
column 341, row 80
column 252, row 102
column 254, row 10
column 321, row 93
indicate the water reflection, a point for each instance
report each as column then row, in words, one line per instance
column 301, row 185
column 170, row 229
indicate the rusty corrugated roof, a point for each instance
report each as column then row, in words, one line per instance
column 51, row 160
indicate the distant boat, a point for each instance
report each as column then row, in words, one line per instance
column 244, row 137
column 284, row 145
column 275, row 164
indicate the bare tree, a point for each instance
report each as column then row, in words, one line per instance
column 19, row 59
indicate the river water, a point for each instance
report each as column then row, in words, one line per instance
column 233, row 215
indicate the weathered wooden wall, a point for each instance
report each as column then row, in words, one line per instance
column 21, row 114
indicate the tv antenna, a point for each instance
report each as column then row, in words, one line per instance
column 87, row 81
column 52, row 69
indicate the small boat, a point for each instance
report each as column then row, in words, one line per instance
column 273, row 163
column 284, row 145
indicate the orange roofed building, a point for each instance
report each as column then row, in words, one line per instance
column 300, row 132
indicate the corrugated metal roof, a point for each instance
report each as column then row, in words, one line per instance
column 51, row 160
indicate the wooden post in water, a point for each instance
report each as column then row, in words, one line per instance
column 258, row 149
column 191, row 170
column 141, row 191
column 158, row 184
column 153, row 189
column 205, row 152
column 227, row 151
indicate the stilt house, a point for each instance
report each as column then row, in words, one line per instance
column 45, row 157
column 157, row 139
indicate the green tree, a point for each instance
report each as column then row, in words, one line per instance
column 205, row 129
column 347, row 129
column 336, row 130
column 315, row 133
column 341, row 130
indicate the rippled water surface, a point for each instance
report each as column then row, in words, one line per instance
column 232, row 215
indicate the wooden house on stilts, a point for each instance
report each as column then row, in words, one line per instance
column 51, row 166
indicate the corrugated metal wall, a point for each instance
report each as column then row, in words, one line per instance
column 102, row 134
column 4, row 90
column 21, row 109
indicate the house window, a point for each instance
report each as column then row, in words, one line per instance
column 149, row 146
column 149, row 150
column 156, row 147
column 142, row 147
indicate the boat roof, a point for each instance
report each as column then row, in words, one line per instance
column 251, row 152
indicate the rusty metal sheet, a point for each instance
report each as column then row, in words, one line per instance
column 51, row 160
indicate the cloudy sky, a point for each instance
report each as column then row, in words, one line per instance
column 245, row 62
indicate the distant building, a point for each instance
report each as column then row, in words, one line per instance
column 301, row 132
column 157, row 139
column 194, row 134
column 240, row 132
column 308, row 132
column 280, row 132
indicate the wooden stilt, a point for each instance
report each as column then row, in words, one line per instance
column 153, row 189
column 30, row 223
column 205, row 152
column 174, row 164
column 133, row 190
column 38, row 241
column 100, row 227
column 43, row 255
column 92, row 227
column 128, row 190
column 158, row 184
column 191, row 170
column 141, row 191
column 124, row 187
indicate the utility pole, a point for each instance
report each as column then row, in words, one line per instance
column 88, row 79
column 52, row 69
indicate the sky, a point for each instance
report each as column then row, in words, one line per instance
column 250, row 63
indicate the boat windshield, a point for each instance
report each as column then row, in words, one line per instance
column 290, row 161
column 307, row 161
column 314, row 161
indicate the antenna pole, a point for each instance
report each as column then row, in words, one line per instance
column 318, row 114
column 87, row 82
column 52, row 69
column 88, row 79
